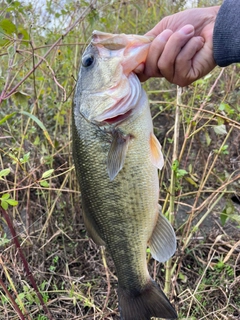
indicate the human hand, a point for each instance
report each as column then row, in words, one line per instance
column 182, row 50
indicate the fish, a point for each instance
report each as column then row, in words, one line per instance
column 117, row 158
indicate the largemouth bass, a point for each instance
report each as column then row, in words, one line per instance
column 117, row 158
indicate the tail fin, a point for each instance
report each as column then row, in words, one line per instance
column 144, row 304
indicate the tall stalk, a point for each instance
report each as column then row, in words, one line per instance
column 167, row 286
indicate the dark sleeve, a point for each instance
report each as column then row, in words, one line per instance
column 226, row 35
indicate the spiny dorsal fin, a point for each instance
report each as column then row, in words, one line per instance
column 156, row 152
column 162, row 243
column 117, row 153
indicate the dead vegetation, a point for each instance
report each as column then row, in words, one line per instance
column 49, row 268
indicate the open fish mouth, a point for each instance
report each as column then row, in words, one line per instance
column 119, row 98
column 119, row 118
column 132, row 48
column 124, row 108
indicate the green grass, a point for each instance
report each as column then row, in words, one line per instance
column 68, row 277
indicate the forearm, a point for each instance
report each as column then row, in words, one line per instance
column 226, row 36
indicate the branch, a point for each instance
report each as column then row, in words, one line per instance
column 83, row 15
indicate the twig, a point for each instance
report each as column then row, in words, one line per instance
column 24, row 261
column 52, row 72
column 201, row 108
column 13, row 90
column 53, row 206
column 173, row 184
column 199, row 282
column 19, row 312
column 107, row 275
column 231, row 251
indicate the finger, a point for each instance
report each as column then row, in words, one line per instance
column 139, row 69
column 174, row 45
column 155, row 51
column 187, row 69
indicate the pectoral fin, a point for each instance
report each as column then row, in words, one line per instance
column 163, row 241
column 156, row 152
column 117, row 154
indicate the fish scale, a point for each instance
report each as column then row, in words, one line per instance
column 116, row 168
column 120, row 204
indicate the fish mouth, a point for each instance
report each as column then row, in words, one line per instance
column 125, row 107
column 118, row 119
column 133, row 49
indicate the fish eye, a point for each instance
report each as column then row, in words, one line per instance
column 87, row 60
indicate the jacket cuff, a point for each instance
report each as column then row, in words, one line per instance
column 226, row 34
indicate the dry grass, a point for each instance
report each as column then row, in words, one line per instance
column 45, row 251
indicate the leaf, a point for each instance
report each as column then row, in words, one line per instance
column 5, row 196
column 175, row 165
column 41, row 125
column 220, row 120
column 226, row 107
column 227, row 212
column 191, row 181
column 7, row 26
column 223, row 218
column 208, row 139
column 47, row 173
column 25, row 158
column 12, row 202
column 4, row 240
column 235, row 217
column 181, row 173
column 3, row 41
column 8, row 116
column 4, row 205
column 44, row 184
column 220, row 129
column 5, row 201
column 4, row 173
column 20, row 97
column 14, row 5
column 23, row 34
column 182, row 277
column 36, row 141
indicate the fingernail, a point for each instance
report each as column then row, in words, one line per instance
column 186, row 30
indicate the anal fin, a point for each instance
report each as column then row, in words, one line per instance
column 162, row 243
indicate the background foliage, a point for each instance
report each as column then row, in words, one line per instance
column 50, row 269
